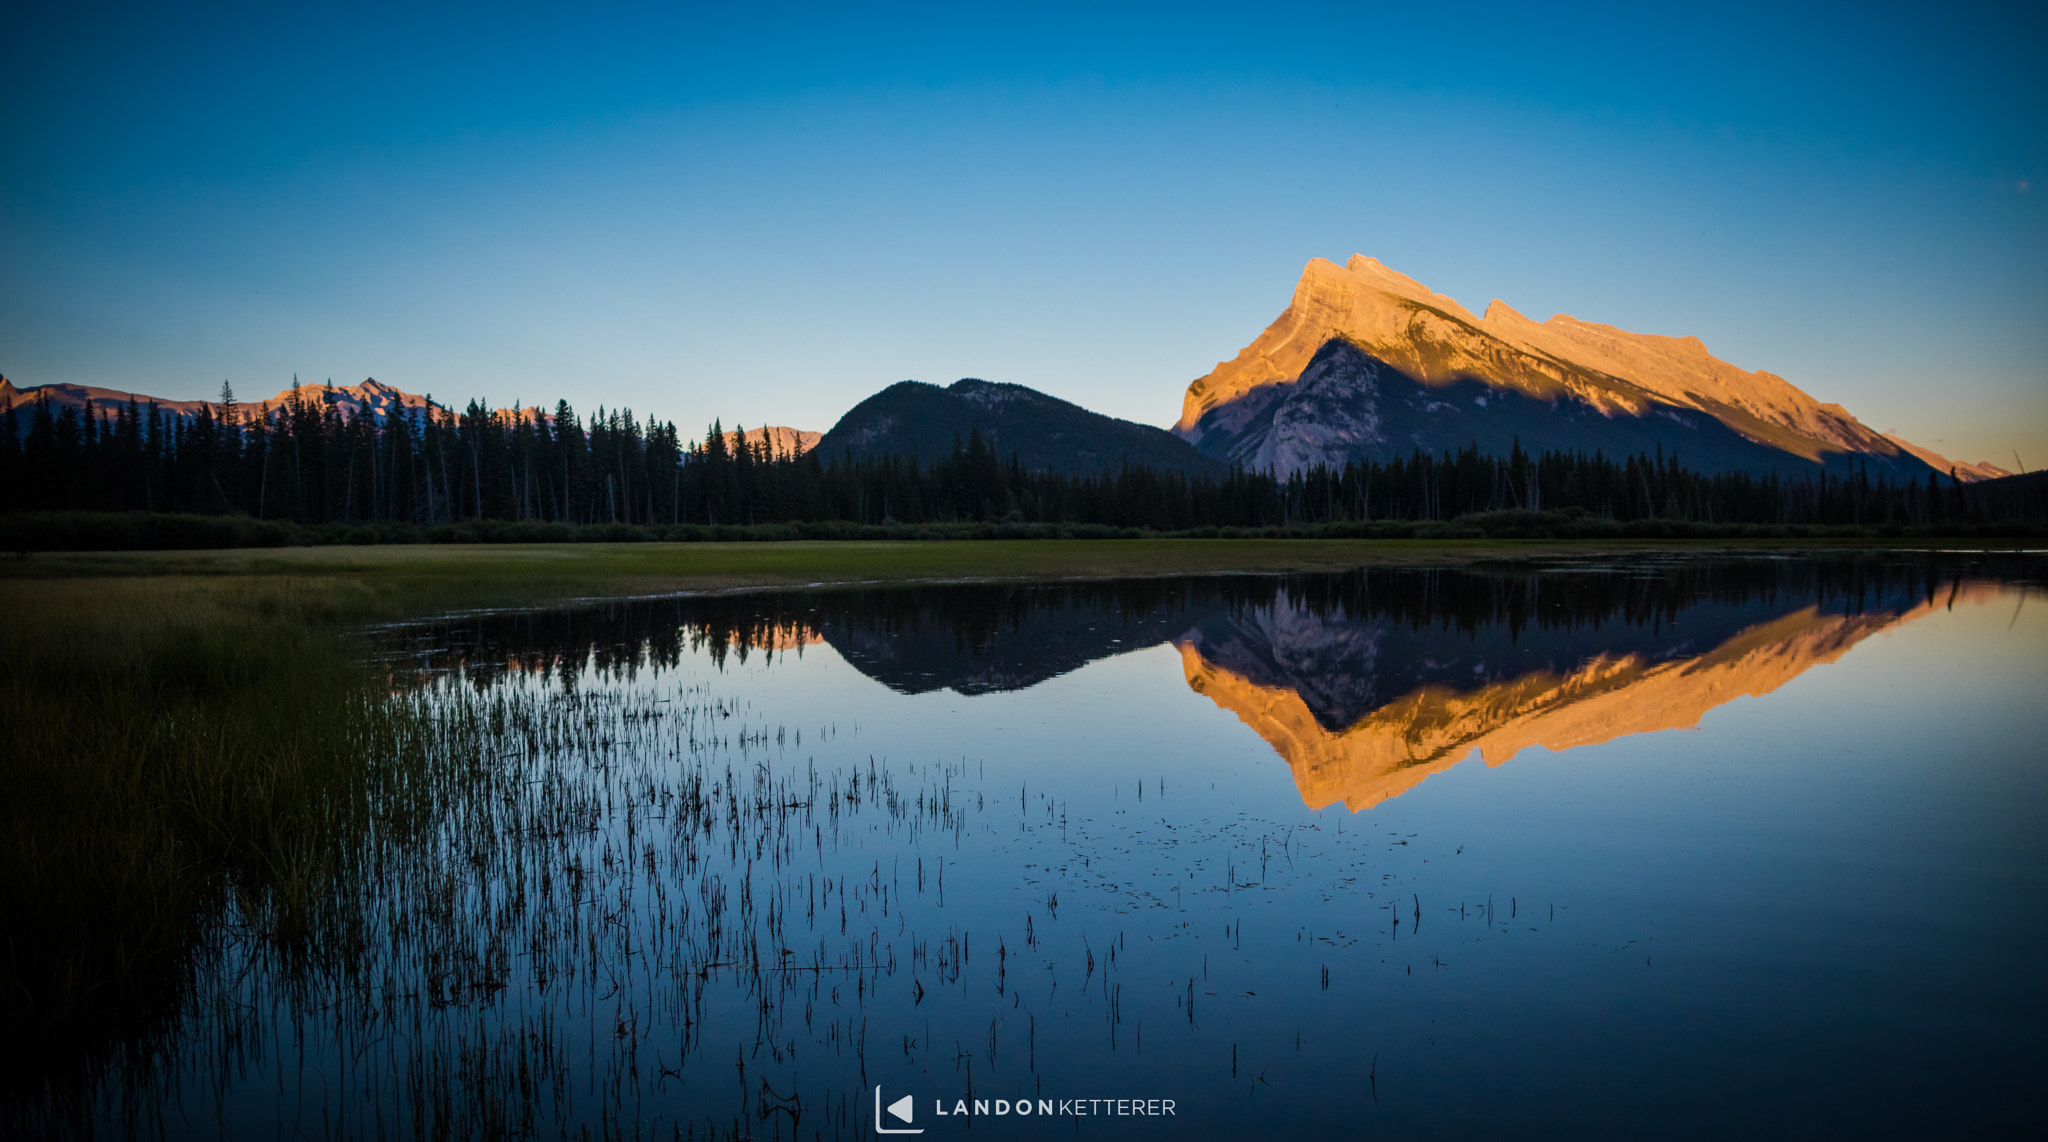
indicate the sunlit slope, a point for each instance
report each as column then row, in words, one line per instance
column 1393, row 748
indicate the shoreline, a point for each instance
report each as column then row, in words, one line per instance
column 387, row 584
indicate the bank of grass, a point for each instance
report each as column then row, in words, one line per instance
column 151, row 531
column 185, row 766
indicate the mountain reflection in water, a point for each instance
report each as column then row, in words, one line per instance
column 1364, row 683
column 1389, row 750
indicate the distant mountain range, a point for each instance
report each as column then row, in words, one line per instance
column 372, row 396
column 1045, row 433
column 1369, row 364
column 1365, row 364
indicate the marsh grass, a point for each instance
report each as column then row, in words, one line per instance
column 173, row 753
column 225, row 832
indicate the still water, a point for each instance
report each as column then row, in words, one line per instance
column 1652, row 848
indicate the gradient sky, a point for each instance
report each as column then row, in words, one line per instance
column 705, row 212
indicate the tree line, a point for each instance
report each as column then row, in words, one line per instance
column 304, row 462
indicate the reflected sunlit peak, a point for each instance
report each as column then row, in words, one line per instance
column 1393, row 748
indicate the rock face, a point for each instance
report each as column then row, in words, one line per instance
column 1369, row 364
column 912, row 418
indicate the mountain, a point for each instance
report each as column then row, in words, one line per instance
column 1369, row 364
column 372, row 396
column 1045, row 433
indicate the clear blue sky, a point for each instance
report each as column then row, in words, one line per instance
column 702, row 213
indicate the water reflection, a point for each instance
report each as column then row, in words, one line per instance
column 1363, row 684
column 1277, row 670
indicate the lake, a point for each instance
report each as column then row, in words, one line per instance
column 1644, row 847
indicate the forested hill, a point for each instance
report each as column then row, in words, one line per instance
column 1043, row 433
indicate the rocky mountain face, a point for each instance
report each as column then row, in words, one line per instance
column 1044, row 432
column 1369, row 364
